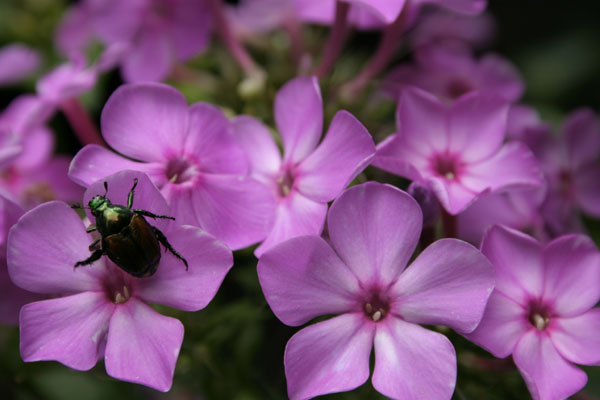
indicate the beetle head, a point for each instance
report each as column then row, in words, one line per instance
column 98, row 204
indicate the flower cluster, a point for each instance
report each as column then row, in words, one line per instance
column 481, row 237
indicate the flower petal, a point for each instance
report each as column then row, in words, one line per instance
column 546, row 373
column 299, row 117
column 142, row 345
column 94, row 162
column 209, row 261
column 191, row 27
column 70, row 330
column 572, row 265
column 295, row 215
column 448, row 284
column 395, row 155
column 17, row 61
column 258, row 144
column 412, row 362
column 587, row 189
column 12, row 298
column 577, row 339
column 210, row 141
column 477, row 125
column 581, row 134
column 58, row 236
column 504, row 322
column 344, row 153
column 328, row 357
column 236, row 210
column 386, row 10
column 303, row 278
column 452, row 195
column 517, row 260
column 149, row 58
column 375, row 228
column 145, row 121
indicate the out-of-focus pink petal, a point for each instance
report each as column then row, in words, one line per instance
column 328, row 357
column 65, row 82
column 448, row 284
column 581, row 135
column 49, row 269
column 385, row 10
column 37, row 148
column 209, row 261
column 547, row 374
column 17, row 61
column 469, row 7
column 571, row 265
column 513, row 167
column 303, row 278
column 395, row 155
column 477, row 125
column 375, row 228
column 321, row 12
column 504, row 322
column 149, row 59
column 145, row 121
column 501, row 76
column 211, row 143
column 191, row 27
column 453, row 196
column 517, row 260
column 345, row 151
column 237, row 210
column 142, row 345
column 577, row 338
column 299, row 117
column 586, row 184
column 70, row 330
column 116, row 20
column 74, row 30
column 294, row 216
column 412, row 362
column 258, row 144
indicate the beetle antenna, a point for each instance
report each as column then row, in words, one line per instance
column 105, row 188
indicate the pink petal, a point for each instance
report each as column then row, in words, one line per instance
column 587, row 189
column 547, row 374
column 386, row 10
column 142, row 345
column 70, row 330
column 421, row 119
column 477, row 125
column 375, row 228
column 145, row 121
column 17, row 61
column 504, row 322
column 581, row 134
column 149, row 58
column 58, row 236
column 577, row 339
column 295, row 215
column 299, row 117
column 211, row 143
column 94, row 162
column 303, row 278
column 258, row 144
column 517, row 260
column 209, row 261
column 236, row 210
column 469, row 7
column 343, row 154
column 452, row 195
column 12, row 297
column 572, row 264
column 396, row 155
column 513, row 167
column 328, row 357
column 412, row 362
column 191, row 27
column 74, row 31
column 448, row 284
column 38, row 146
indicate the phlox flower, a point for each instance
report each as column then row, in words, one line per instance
column 17, row 61
column 310, row 174
column 99, row 311
column 457, row 150
column 190, row 155
column 450, row 72
column 541, row 310
column 361, row 274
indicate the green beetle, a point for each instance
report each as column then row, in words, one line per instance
column 126, row 237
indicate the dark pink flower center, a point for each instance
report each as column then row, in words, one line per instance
column 457, row 87
column 181, row 170
column 285, row 182
column 565, row 180
column 446, row 166
column 539, row 315
column 117, row 286
column 376, row 306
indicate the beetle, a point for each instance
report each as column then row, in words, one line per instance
column 126, row 237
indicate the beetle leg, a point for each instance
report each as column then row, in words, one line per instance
column 163, row 240
column 130, row 195
column 94, row 257
column 149, row 214
column 91, row 228
column 94, row 245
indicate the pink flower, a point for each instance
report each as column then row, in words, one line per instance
column 310, row 174
column 249, row 17
column 457, row 150
column 450, row 72
column 190, row 155
column 361, row 274
column 101, row 311
column 17, row 61
column 541, row 311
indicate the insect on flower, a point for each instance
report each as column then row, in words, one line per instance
column 126, row 237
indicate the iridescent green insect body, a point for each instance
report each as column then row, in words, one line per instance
column 126, row 237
